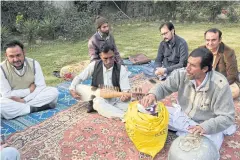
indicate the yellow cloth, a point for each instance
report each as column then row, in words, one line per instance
column 147, row 132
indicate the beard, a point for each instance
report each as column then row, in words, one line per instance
column 109, row 65
column 105, row 34
column 17, row 64
column 166, row 40
column 190, row 76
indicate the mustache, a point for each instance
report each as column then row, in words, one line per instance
column 17, row 61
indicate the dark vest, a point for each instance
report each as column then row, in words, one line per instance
column 97, row 77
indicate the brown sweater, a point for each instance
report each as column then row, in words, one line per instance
column 226, row 63
column 95, row 43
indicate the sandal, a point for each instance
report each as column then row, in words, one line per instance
column 56, row 74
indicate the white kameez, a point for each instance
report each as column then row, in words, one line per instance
column 179, row 121
column 42, row 95
column 106, row 107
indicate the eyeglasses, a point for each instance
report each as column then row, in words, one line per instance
column 163, row 34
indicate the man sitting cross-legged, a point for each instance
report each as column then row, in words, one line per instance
column 224, row 59
column 204, row 96
column 105, row 71
column 23, row 88
column 172, row 52
column 102, row 36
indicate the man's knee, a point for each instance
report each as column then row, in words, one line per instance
column 235, row 90
column 53, row 92
column 98, row 100
column 6, row 116
column 98, row 103
column 13, row 110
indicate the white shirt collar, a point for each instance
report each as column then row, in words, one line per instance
column 106, row 70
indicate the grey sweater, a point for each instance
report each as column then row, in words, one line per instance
column 211, row 106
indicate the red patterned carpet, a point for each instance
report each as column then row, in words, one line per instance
column 75, row 135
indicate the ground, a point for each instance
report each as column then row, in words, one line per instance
column 131, row 38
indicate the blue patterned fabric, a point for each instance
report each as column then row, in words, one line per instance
column 64, row 101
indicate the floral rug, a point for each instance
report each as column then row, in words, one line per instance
column 65, row 100
column 74, row 134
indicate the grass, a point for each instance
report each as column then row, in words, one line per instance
column 131, row 38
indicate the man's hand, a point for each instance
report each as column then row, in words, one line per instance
column 17, row 99
column 125, row 98
column 75, row 94
column 196, row 130
column 148, row 100
column 160, row 71
column 32, row 87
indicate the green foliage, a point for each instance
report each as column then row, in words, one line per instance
column 179, row 10
column 186, row 13
column 4, row 32
column 19, row 18
column 30, row 30
column 233, row 14
column 29, row 10
column 92, row 7
column 19, row 22
column 47, row 28
column 49, row 22
column 76, row 25
column 5, row 35
column 213, row 8
column 40, row 19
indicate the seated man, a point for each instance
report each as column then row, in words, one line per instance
column 224, row 59
column 99, row 38
column 95, row 42
column 172, row 52
column 23, row 88
column 202, row 108
column 105, row 71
